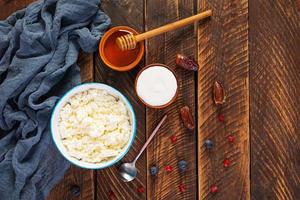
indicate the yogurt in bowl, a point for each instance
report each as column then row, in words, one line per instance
column 93, row 125
column 156, row 86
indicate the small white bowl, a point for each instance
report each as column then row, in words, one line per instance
column 57, row 138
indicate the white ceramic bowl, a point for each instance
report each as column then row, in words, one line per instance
column 57, row 138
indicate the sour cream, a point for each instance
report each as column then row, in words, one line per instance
column 156, row 86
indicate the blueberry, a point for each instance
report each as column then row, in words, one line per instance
column 208, row 144
column 153, row 170
column 75, row 190
column 182, row 165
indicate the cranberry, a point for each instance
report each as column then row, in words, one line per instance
column 169, row 168
column 141, row 190
column 221, row 118
column 230, row 138
column 111, row 195
column 226, row 163
column 181, row 188
column 213, row 189
column 173, row 139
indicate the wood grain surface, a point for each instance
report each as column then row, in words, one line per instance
column 86, row 64
column 162, row 152
column 75, row 178
column 130, row 13
column 274, row 99
column 223, row 56
column 7, row 7
column 261, row 110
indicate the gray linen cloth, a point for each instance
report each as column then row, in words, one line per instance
column 39, row 47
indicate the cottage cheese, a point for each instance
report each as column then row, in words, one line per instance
column 94, row 126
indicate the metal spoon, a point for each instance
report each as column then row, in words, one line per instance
column 128, row 171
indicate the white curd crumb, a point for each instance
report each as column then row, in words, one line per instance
column 94, row 126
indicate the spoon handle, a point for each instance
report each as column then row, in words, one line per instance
column 150, row 138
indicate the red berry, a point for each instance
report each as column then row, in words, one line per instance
column 112, row 195
column 221, row 118
column 141, row 190
column 169, row 168
column 230, row 138
column 173, row 139
column 213, row 189
column 181, row 188
column 226, row 163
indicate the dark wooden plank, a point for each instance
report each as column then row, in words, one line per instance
column 223, row 56
column 163, row 49
column 86, row 64
column 274, row 99
column 130, row 13
column 7, row 7
column 74, row 176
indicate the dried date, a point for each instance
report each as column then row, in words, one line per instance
column 187, row 118
column 219, row 93
column 186, row 63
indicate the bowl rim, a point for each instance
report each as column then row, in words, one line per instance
column 160, row 106
column 111, row 90
column 102, row 54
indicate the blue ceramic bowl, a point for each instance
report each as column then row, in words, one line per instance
column 55, row 117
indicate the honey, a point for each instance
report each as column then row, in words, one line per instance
column 115, row 55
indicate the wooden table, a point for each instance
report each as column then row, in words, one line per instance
column 253, row 48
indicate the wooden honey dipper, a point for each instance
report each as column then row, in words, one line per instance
column 129, row 41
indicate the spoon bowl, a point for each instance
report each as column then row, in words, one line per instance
column 128, row 172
